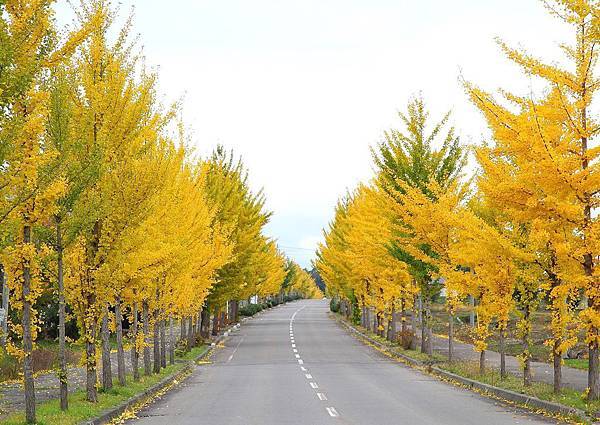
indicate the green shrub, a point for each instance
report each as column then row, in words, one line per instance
column 9, row 366
column 334, row 305
column 251, row 309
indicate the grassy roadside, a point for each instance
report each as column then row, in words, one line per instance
column 470, row 370
column 49, row 413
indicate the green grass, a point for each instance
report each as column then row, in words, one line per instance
column 541, row 390
column 577, row 363
column 49, row 413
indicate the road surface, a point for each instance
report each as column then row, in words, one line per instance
column 294, row 365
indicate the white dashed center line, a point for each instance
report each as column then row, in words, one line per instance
column 332, row 412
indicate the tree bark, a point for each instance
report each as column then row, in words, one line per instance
column 392, row 325
column 215, row 329
column 593, row 381
column 134, row 347
column 182, row 329
column 482, row 362
column 451, row 338
column 191, row 339
column 171, row 342
column 527, row 378
column 502, row 347
column 156, row 341
column 28, row 380
column 5, row 305
column 413, row 320
column 107, row 383
column 557, row 365
column 120, row 351
column 205, row 322
column 426, row 343
column 163, row 344
column 90, row 355
column 146, row 319
column 62, row 354
column 472, row 312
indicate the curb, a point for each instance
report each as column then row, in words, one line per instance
column 114, row 412
column 522, row 400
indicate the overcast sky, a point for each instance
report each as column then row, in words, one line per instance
column 301, row 89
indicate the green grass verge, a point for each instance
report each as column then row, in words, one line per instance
column 49, row 413
column 577, row 363
column 541, row 390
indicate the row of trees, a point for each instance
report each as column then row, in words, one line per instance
column 102, row 202
column 522, row 230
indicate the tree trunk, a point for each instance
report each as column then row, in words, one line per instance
column 146, row 319
column 107, row 383
column 163, row 344
column 413, row 324
column 156, row 342
column 557, row 362
column 204, row 322
column 451, row 338
column 134, row 346
column 392, row 325
column 472, row 312
column 482, row 362
column 422, row 323
column 62, row 354
column 222, row 323
column 27, row 336
column 90, row 355
column 5, row 302
column 215, row 329
column 527, row 378
column 502, row 349
column 426, row 343
column 191, row 339
column 120, row 351
column 593, row 369
column 171, row 342
column 182, row 329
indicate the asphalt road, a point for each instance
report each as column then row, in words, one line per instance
column 294, row 365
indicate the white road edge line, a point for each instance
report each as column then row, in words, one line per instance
column 297, row 356
column 300, row 361
column 303, row 369
column 321, row 396
column 314, row 385
column 308, row 376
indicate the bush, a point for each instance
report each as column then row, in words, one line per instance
column 251, row 309
column 9, row 366
column 405, row 339
column 334, row 305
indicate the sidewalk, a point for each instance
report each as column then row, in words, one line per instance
column 542, row 372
